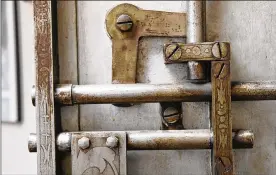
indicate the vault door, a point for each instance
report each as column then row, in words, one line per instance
column 85, row 58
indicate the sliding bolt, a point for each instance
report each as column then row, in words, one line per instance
column 220, row 50
column 112, row 142
column 173, row 52
column 84, row 143
column 124, row 23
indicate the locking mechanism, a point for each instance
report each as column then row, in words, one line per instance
column 105, row 152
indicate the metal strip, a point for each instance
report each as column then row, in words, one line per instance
column 45, row 78
column 222, row 157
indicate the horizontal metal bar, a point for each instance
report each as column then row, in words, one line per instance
column 148, row 93
column 170, row 139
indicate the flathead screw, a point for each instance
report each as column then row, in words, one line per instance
column 124, row 23
column 173, row 52
column 220, row 50
column 112, row 142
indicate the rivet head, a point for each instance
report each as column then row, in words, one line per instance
column 112, row 142
column 124, row 23
column 173, row 52
column 84, row 143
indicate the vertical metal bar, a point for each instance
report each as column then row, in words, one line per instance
column 195, row 33
column 46, row 77
column 222, row 158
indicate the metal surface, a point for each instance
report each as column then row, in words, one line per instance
column 124, row 23
column 197, row 72
column 83, row 143
column 33, row 95
column 171, row 115
column 170, row 139
column 64, row 142
column 208, row 51
column 99, row 158
column 125, row 41
column 146, row 93
column 32, row 143
column 221, row 121
column 112, row 142
column 46, row 77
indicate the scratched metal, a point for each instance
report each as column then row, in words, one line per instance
column 45, row 78
column 241, row 24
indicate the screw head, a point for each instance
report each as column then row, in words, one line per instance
column 220, row 50
column 84, row 143
column 124, row 23
column 171, row 115
column 173, row 52
column 112, row 142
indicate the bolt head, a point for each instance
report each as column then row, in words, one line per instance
column 173, row 52
column 84, row 143
column 124, row 23
column 112, row 142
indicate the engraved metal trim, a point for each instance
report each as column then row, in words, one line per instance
column 209, row 51
column 46, row 76
column 222, row 156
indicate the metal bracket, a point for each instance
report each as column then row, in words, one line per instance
column 99, row 152
column 219, row 55
column 126, row 24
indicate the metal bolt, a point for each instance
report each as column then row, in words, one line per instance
column 171, row 115
column 84, row 143
column 124, row 23
column 220, row 50
column 112, row 142
column 173, row 52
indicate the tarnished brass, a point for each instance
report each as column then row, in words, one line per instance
column 125, row 32
column 221, row 118
column 209, row 51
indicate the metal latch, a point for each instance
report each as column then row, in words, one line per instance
column 105, row 151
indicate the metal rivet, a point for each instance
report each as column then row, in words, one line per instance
column 124, row 23
column 112, row 141
column 84, row 143
column 173, row 52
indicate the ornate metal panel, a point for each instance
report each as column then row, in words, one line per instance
column 100, row 155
